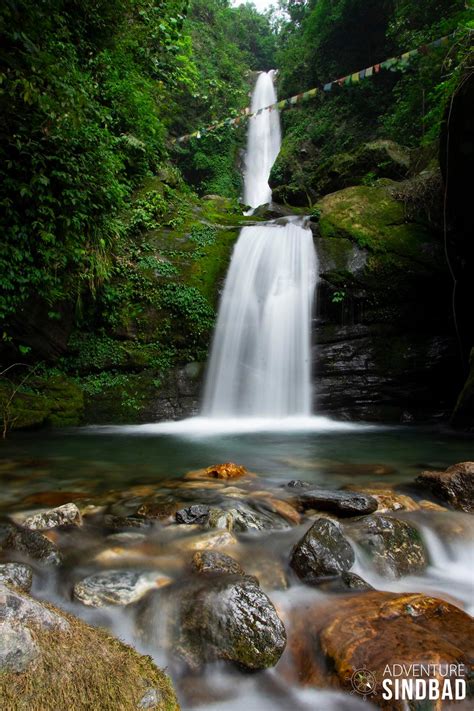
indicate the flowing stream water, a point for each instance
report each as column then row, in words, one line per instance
column 257, row 412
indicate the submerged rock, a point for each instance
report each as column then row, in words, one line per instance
column 341, row 503
column 346, row 582
column 210, row 540
column 322, row 552
column 245, row 518
column 224, row 617
column 219, row 471
column 65, row 515
column 17, row 648
column 394, row 547
column 455, row 485
column 215, row 563
column 31, row 543
column 117, row 587
column 19, row 575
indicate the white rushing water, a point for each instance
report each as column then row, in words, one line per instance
column 260, row 363
column 263, row 143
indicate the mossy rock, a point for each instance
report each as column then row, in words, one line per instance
column 54, row 400
column 81, row 667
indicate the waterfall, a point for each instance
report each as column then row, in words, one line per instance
column 260, row 364
column 263, row 143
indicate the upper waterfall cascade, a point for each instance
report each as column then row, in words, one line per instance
column 260, row 363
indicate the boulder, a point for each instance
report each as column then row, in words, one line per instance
column 454, row 486
column 65, row 515
column 219, row 471
column 223, row 617
column 245, row 518
column 19, row 608
column 393, row 547
column 330, row 641
column 341, row 503
column 322, row 552
column 18, row 575
column 215, row 563
column 117, row 587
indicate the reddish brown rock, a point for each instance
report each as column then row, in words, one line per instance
column 328, row 642
column 228, row 470
column 455, row 485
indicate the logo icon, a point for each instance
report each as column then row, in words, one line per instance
column 363, row 682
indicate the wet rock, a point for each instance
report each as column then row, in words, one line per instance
column 18, row 575
column 341, row 503
column 17, row 648
column 218, row 518
column 282, row 508
column 345, row 582
column 211, row 540
column 389, row 500
column 323, row 551
column 160, row 510
column 245, row 518
column 124, row 537
column 117, row 587
column 455, row 485
column 197, row 513
column 329, row 641
column 18, row 607
column 394, row 547
column 269, row 572
column 219, row 471
column 215, row 563
column 298, row 484
column 32, row 544
column 222, row 617
column 122, row 523
column 65, row 515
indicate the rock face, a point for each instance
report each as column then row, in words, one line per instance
column 18, row 575
column 330, row 641
column 455, row 485
column 392, row 546
column 117, row 587
column 322, row 552
column 383, row 280
column 341, row 503
column 65, row 515
column 225, row 617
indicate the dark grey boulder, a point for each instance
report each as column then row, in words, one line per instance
column 454, row 486
column 30, row 543
column 341, row 503
column 197, row 513
column 322, row 552
column 393, row 547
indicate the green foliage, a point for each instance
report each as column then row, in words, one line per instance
column 203, row 235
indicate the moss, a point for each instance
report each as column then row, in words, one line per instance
column 86, row 669
column 54, row 400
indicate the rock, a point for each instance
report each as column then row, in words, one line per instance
column 18, row 575
column 245, row 518
column 18, row 607
column 341, row 503
column 17, row 648
column 223, row 617
column 65, row 515
column 65, row 663
column 455, row 485
column 393, row 547
column 150, row 699
column 298, row 484
column 122, row 523
column 197, row 513
column 126, row 537
column 269, row 572
column 31, row 543
column 117, row 587
column 219, row 518
column 323, row 551
column 160, row 510
column 389, row 500
column 215, row 563
column 329, row 641
column 219, row 471
column 211, row 540
column 282, row 508
column 345, row 582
